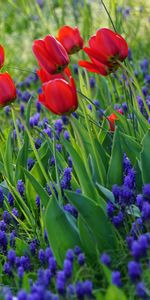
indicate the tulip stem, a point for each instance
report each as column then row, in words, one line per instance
column 16, row 127
column 93, row 144
column 89, row 100
column 109, row 16
column 16, row 68
column 56, row 171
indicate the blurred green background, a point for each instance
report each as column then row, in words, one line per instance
column 22, row 21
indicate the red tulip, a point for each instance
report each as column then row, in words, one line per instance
column 112, row 118
column 59, row 96
column 70, row 38
column 7, row 89
column 2, row 54
column 105, row 49
column 50, row 54
column 45, row 77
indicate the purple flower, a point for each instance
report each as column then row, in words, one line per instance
column 66, row 135
column 75, row 69
column 22, row 295
column 52, row 264
column 48, row 253
column 38, row 143
column 11, row 257
column 30, row 163
column 70, row 255
column 20, row 272
column 118, row 220
column 6, row 217
column 139, row 201
column 38, row 105
column 134, row 270
column 22, row 108
column 33, row 247
column 71, row 209
column 10, row 199
column 12, row 238
column 68, row 267
column 60, row 282
column 146, row 211
column 3, row 240
column 7, row 268
column 1, row 197
column 92, row 82
column 141, row 291
column 41, row 256
column 105, row 259
column 116, row 278
column 58, row 126
column 77, row 250
column 96, row 103
column 81, row 259
column 3, row 225
column 80, row 290
column 146, row 191
column 110, row 209
column 15, row 212
column 87, row 286
column 20, row 187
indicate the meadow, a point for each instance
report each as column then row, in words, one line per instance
column 74, row 150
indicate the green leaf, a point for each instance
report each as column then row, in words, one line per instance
column 108, row 194
column 114, row 293
column 115, row 171
column 21, row 247
column 36, row 173
column 38, row 188
column 97, row 221
column 62, row 234
column 23, row 153
column 130, row 147
column 86, row 183
column 87, row 240
column 145, row 158
column 8, row 162
column 26, row 282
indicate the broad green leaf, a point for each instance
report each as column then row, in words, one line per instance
column 145, row 158
column 130, row 147
column 115, row 171
column 38, row 188
column 114, row 293
column 108, row 194
column 95, row 218
column 87, row 240
column 86, row 183
column 36, row 173
column 21, row 247
column 62, row 234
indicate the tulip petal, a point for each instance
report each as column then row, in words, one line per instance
column 93, row 67
column 56, row 51
column 2, row 54
column 7, row 89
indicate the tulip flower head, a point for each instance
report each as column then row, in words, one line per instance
column 59, row 96
column 7, row 89
column 45, row 77
column 2, row 54
column 50, row 54
column 112, row 118
column 105, row 50
column 70, row 38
